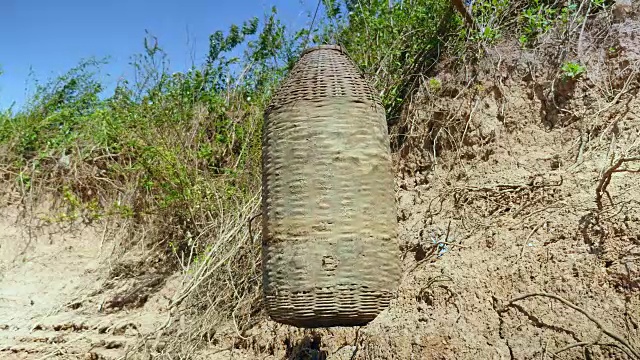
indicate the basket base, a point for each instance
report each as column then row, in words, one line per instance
column 327, row 308
column 326, row 321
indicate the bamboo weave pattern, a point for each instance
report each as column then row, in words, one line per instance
column 330, row 256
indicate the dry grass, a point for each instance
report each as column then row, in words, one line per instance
column 219, row 286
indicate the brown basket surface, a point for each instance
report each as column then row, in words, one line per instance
column 330, row 256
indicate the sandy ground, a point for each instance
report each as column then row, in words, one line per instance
column 62, row 298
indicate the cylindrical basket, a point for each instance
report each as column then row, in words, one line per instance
column 330, row 256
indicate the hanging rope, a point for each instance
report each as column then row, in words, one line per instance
column 312, row 23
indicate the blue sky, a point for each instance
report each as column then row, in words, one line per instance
column 44, row 38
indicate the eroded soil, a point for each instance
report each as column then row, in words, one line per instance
column 62, row 297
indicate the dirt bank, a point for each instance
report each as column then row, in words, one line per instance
column 63, row 295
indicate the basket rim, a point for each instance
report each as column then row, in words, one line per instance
column 323, row 47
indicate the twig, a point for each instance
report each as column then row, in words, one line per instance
column 606, row 331
column 450, row 244
column 625, row 89
column 510, row 187
column 357, row 344
column 582, row 343
column 579, row 156
column 525, row 205
column 439, row 278
column 468, row 18
column 455, row 295
column 584, row 23
column 250, row 224
column 557, row 204
column 466, row 126
column 617, row 346
column 605, row 179
column 524, row 246
column 104, row 235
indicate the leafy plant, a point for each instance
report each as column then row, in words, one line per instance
column 392, row 42
column 536, row 19
column 490, row 16
column 435, row 85
column 572, row 70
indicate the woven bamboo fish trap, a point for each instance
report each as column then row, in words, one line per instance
column 330, row 256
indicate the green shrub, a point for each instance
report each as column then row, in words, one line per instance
column 490, row 15
column 163, row 144
column 572, row 70
column 394, row 43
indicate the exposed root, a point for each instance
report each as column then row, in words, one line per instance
column 605, row 179
column 626, row 346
